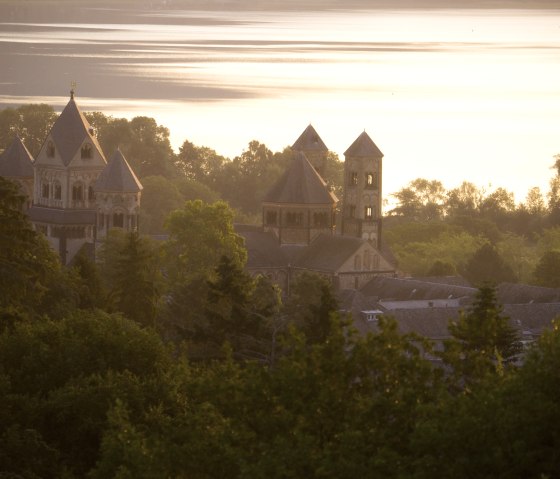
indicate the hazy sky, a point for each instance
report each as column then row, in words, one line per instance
column 446, row 93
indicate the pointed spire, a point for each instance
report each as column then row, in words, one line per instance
column 363, row 146
column 300, row 184
column 118, row 176
column 16, row 161
column 70, row 130
column 309, row 140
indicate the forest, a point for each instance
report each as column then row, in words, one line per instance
column 165, row 359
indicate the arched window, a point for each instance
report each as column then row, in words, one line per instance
column 118, row 220
column 50, row 149
column 57, row 191
column 45, row 189
column 77, row 192
column 87, row 152
column 91, row 194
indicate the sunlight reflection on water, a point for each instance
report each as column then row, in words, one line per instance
column 447, row 94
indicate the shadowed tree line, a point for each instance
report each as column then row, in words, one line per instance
column 167, row 360
column 483, row 236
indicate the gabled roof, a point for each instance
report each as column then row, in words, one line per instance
column 400, row 289
column 16, row 161
column 328, row 252
column 118, row 176
column 300, row 184
column 263, row 250
column 309, row 140
column 69, row 132
column 363, row 146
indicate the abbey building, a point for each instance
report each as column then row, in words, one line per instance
column 76, row 194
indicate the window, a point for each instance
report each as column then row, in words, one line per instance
column 118, row 220
column 91, row 194
column 357, row 262
column 77, row 192
column 294, row 219
column 320, row 220
column 351, row 211
column 368, row 212
column 271, row 217
column 57, row 191
column 50, row 149
column 87, row 152
column 45, row 190
column 367, row 260
column 353, row 178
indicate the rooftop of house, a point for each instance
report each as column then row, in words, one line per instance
column 363, row 146
column 309, row 140
column 118, row 176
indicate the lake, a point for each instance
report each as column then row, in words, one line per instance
column 446, row 93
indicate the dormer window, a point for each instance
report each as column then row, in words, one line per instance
column 87, row 152
column 50, row 150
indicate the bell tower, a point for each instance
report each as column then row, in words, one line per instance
column 361, row 215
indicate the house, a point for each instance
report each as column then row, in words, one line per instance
column 16, row 164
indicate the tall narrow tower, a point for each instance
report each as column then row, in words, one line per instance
column 310, row 144
column 361, row 216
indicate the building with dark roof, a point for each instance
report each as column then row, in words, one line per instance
column 16, row 164
column 299, row 234
column 76, row 195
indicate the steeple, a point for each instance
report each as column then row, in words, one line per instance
column 299, row 206
column 310, row 143
column 361, row 216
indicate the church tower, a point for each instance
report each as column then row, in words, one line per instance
column 361, row 216
column 310, row 144
column 66, row 168
column 299, row 207
column 117, row 196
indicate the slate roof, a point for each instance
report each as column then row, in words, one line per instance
column 16, row 161
column 62, row 217
column 363, row 146
column 118, row 176
column 528, row 319
column 300, row 184
column 69, row 132
column 309, row 140
column 523, row 293
column 328, row 252
column 385, row 287
column 263, row 250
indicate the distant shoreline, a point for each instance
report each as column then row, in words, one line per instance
column 288, row 5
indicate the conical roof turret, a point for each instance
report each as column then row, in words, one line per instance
column 70, row 131
column 118, row 176
column 363, row 146
column 16, row 161
column 300, row 184
column 309, row 140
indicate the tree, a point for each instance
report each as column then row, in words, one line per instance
column 464, row 200
column 31, row 123
column 160, row 197
column 199, row 163
column 547, row 271
column 28, row 266
column 486, row 265
column 199, row 235
column 422, row 199
column 135, row 280
column 311, row 305
column 87, row 282
column 482, row 340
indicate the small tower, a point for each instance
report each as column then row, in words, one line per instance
column 16, row 164
column 66, row 169
column 361, row 216
column 310, row 144
column 117, row 196
column 299, row 206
